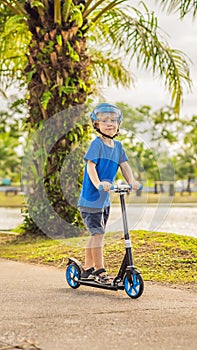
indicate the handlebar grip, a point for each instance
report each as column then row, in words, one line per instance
column 140, row 188
column 100, row 188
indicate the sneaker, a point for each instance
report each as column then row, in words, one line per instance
column 87, row 273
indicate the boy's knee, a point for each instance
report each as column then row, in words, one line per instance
column 98, row 236
column 97, row 239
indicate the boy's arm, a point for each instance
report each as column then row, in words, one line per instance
column 91, row 169
column 128, row 175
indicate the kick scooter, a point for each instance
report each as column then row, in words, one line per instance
column 128, row 277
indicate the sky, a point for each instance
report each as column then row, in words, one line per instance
column 180, row 34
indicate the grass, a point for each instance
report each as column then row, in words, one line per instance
column 161, row 257
column 11, row 200
column 19, row 200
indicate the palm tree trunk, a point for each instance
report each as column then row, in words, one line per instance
column 58, row 74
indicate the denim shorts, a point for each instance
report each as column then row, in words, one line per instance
column 95, row 222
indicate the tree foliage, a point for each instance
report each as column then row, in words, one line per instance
column 62, row 50
column 161, row 147
column 111, row 30
column 10, row 143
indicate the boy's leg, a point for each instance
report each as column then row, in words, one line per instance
column 94, row 252
column 97, row 251
column 94, row 247
column 100, row 273
column 97, row 243
column 89, row 262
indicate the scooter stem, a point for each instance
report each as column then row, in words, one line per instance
column 126, row 231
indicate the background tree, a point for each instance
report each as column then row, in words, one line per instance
column 11, row 143
column 186, row 157
column 65, row 49
column 151, row 139
column 160, row 132
column 185, row 160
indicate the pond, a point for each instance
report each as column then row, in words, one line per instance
column 175, row 219
column 10, row 218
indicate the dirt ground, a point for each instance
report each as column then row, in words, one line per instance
column 39, row 311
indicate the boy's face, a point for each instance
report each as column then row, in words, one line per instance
column 108, row 123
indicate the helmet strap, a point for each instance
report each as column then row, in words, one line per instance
column 109, row 137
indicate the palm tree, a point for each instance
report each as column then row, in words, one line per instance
column 62, row 50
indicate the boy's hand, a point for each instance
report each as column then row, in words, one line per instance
column 106, row 186
column 135, row 185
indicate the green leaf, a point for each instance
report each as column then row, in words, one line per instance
column 47, row 95
column 72, row 53
column 77, row 17
column 30, row 75
column 59, row 39
column 82, row 84
column 36, row 3
column 66, row 9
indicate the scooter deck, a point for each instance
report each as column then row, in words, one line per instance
column 91, row 283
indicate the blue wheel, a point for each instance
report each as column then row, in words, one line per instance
column 73, row 275
column 135, row 288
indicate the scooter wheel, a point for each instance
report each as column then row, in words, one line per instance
column 72, row 275
column 135, row 288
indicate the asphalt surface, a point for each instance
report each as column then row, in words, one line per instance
column 37, row 307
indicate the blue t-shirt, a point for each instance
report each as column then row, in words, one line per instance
column 107, row 160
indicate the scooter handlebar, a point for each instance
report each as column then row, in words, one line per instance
column 119, row 187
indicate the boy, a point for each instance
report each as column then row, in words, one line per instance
column 103, row 158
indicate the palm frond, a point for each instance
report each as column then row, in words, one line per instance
column 14, row 6
column 57, row 11
column 110, row 69
column 95, row 6
column 97, row 11
column 2, row 93
column 182, row 6
column 125, row 32
column 110, row 6
column 138, row 37
column 14, row 41
column 87, row 4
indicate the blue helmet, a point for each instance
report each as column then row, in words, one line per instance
column 106, row 108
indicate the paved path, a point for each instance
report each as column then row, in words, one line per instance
column 38, row 307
